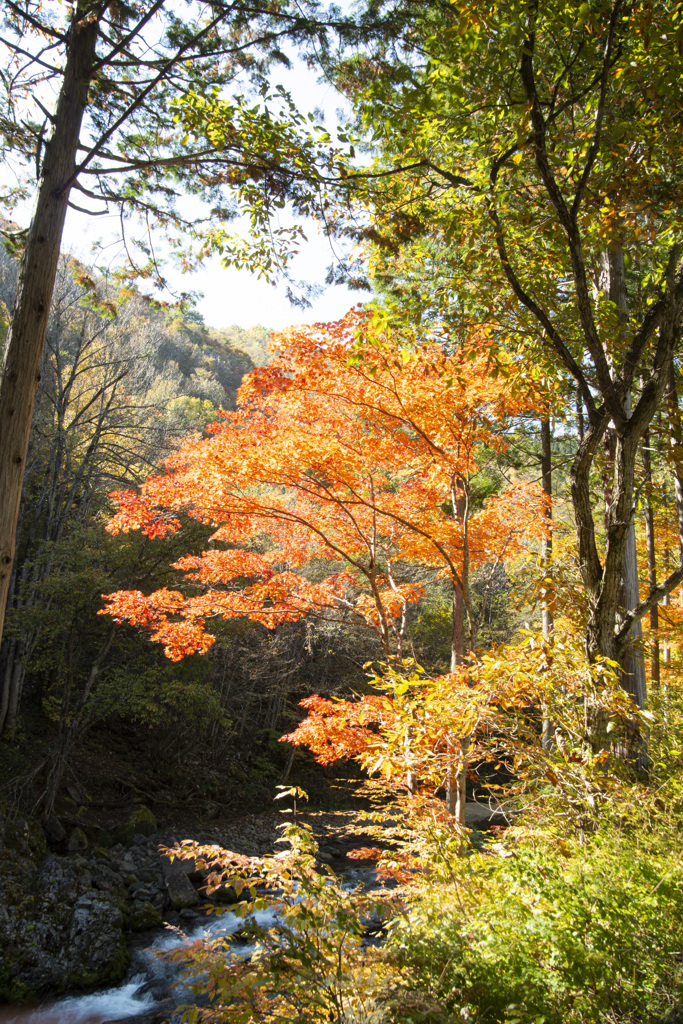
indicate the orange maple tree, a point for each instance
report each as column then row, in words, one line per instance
column 348, row 452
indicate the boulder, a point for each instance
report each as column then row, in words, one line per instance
column 141, row 822
column 225, row 895
column 144, row 916
column 54, row 830
column 62, row 933
column 483, row 816
column 77, row 840
column 180, row 890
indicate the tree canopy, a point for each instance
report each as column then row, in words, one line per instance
column 344, row 450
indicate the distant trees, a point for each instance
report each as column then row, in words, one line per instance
column 111, row 403
column 111, row 76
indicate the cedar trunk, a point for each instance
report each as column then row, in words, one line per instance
column 21, row 370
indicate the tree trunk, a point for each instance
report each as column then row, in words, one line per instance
column 457, row 781
column 666, row 601
column 21, row 370
column 457, row 773
column 547, row 554
column 613, row 282
column 72, row 730
column 676, row 438
column 458, row 629
column 651, row 563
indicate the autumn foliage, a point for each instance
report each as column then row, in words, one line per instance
column 347, row 458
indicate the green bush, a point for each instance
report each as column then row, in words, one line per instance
column 551, row 935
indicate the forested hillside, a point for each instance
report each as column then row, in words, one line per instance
column 420, row 566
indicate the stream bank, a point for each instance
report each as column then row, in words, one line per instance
column 89, row 919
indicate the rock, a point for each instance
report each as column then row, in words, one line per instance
column 75, row 794
column 64, row 935
column 144, row 916
column 482, row 816
column 97, row 952
column 141, row 822
column 332, row 850
column 181, row 892
column 77, row 840
column 54, row 830
column 225, row 895
column 180, row 889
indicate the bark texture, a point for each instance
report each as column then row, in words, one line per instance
column 21, row 370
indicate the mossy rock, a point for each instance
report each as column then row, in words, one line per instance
column 22, row 839
column 77, row 840
column 144, row 916
column 12, row 990
column 109, row 974
column 141, row 822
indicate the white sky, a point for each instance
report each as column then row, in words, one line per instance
column 237, row 297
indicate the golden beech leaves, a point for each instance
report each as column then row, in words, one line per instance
column 411, row 720
column 348, row 452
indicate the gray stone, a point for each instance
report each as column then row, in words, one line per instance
column 179, row 887
column 482, row 816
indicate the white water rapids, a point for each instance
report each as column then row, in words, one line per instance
column 133, row 997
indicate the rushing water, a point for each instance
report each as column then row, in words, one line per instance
column 149, row 971
column 152, row 974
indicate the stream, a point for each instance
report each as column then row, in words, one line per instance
column 147, row 983
column 151, row 975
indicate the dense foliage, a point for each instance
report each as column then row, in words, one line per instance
column 452, row 521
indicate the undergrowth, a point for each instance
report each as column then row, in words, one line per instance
column 573, row 915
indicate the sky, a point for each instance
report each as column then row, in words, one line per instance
column 237, row 297
column 234, row 296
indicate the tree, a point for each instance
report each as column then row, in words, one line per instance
column 104, row 418
column 348, row 451
column 111, row 140
column 541, row 148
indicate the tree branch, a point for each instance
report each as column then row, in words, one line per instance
column 583, row 299
column 37, row 25
column 544, row 320
column 599, row 113
column 653, row 598
column 127, row 39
